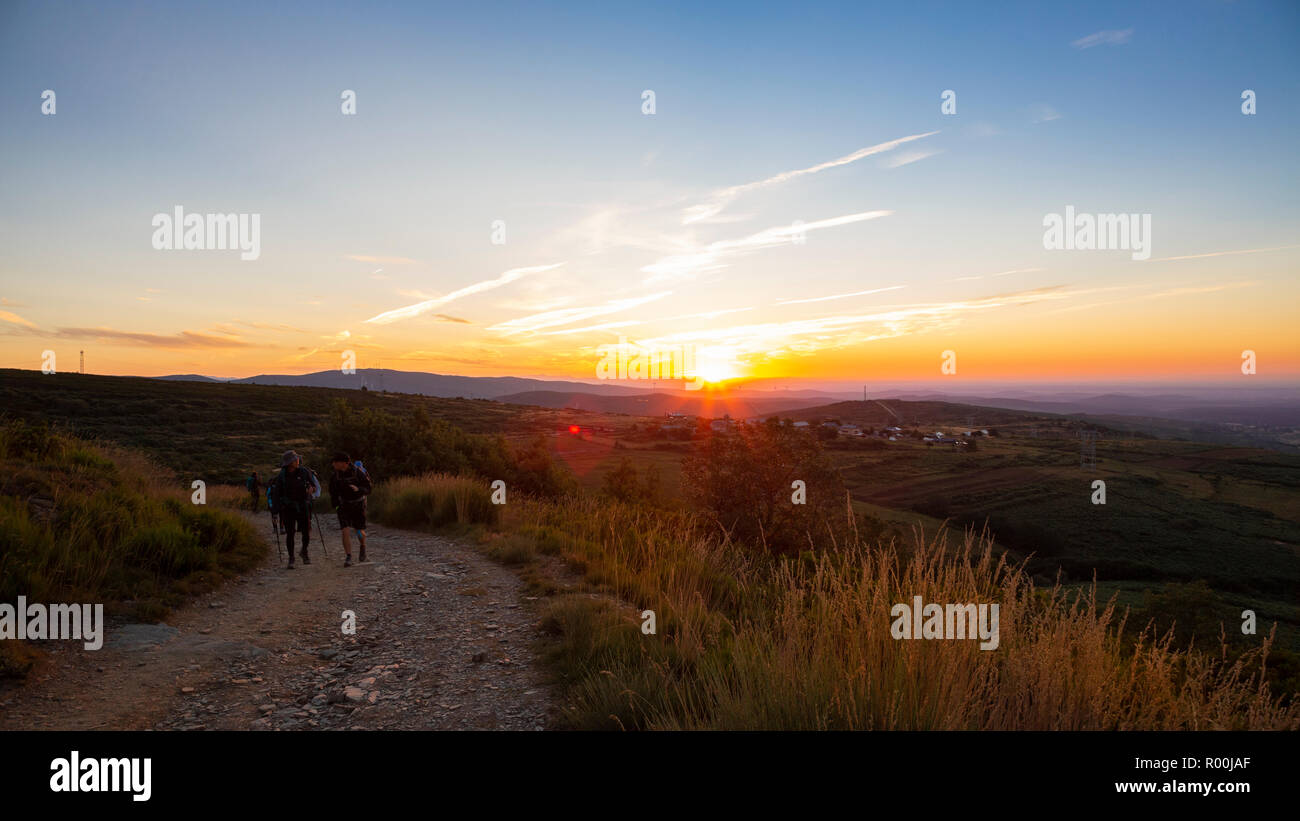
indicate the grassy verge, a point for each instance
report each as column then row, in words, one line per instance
column 432, row 501
column 86, row 523
column 746, row 641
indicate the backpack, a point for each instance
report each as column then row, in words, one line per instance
column 277, row 488
column 315, row 483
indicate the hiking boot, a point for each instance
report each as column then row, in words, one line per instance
column 347, row 560
column 290, row 567
column 363, row 555
column 305, row 558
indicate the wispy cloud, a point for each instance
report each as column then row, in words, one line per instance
column 998, row 274
column 266, row 326
column 839, row 296
column 1044, row 114
column 1201, row 289
column 1186, row 291
column 908, row 157
column 565, row 316
column 712, row 256
column 806, row 336
column 1104, row 38
column 709, row 314
column 382, row 260
column 16, row 319
column 722, row 197
column 429, row 304
column 492, row 356
column 184, row 339
column 1225, row 253
column 604, row 326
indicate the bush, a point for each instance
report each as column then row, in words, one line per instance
column 745, row 480
column 624, row 484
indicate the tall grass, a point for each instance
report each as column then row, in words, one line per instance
column 86, row 523
column 433, row 500
column 747, row 641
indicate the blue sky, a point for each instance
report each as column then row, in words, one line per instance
column 532, row 116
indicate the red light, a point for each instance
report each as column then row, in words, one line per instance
column 574, row 429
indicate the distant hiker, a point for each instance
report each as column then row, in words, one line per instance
column 270, row 505
column 292, row 491
column 349, row 487
column 254, row 485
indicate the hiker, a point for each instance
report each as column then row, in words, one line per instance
column 270, row 506
column 254, row 485
column 292, row 492
column 349, row 487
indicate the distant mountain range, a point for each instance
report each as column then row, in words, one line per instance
column 499, row 387
column 660, row 404
column 427, row 384
column 1263, row 408
column 1277, row 410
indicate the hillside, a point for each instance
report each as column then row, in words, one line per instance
column 431, row 384
column 703, row 403
column 206, row 429
column 885, row 412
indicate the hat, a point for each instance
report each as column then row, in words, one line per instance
column 289, row 458
column 340, row 456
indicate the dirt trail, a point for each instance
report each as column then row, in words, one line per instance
column 443, row 641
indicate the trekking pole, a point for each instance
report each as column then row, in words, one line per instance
column 320, row 533
column 276, row 527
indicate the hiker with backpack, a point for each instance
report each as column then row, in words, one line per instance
column 254, row 485
column 291, row 493
column 270, row 506
column 349, row 487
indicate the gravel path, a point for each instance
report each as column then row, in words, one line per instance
column 443, row 641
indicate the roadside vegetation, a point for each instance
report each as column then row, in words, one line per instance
column 81, row 522
column 762, row 625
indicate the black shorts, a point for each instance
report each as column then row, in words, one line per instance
column 352, row 514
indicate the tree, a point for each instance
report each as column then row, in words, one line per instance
column 746, row 482
column 621, row 483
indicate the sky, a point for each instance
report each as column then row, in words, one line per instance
column 798, row 205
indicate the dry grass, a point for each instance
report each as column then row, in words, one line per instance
column 749, row 642
column 433, row 500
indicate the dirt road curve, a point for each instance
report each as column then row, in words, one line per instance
column 443, row 639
